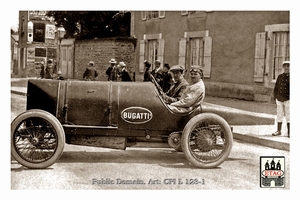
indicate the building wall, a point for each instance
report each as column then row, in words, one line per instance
column 101, row 51
column 233, row 46
column 28, row 51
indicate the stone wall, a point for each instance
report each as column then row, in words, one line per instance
column 100, row 51
column 239, row 91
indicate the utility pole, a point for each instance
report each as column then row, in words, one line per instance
column 23, row 38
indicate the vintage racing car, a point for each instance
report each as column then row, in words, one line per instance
column 118, row 115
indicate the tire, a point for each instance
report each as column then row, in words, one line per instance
column 37, row 139
column 206, row 140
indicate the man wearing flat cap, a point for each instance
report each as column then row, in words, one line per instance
column 193, row 95
column 282, row 98
column 176, row 90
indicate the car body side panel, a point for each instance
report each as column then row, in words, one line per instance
column 42, row 94
column 141, row 101
column 88, row 103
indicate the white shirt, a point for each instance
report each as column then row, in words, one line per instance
column 192, row 96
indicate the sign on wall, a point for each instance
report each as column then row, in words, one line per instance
column 40, row 52
column 30, row 55
column 37, row 14
column 39, row 32
column 51, row 52
column 50, row 31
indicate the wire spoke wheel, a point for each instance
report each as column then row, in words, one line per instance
column 207, row 140
column 37, row 139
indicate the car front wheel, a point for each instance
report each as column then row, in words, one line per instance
column 207, row 140
column 37, row 139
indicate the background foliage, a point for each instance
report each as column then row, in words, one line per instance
column 93, row 24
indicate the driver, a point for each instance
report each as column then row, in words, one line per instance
column 176, row 90
column 193, row 95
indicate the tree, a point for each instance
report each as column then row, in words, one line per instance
column 92, row 24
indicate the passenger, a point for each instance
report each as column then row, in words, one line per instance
column 176, row 90
column 90, row 73
column 167, row 79
column 193, row 95
column 124, row 75
column 113, row 63
column 147, row 71
column 157, row 72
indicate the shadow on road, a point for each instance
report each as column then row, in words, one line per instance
column 167, row 158
column 164, row 157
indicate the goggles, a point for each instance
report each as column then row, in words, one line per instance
column 196, row 69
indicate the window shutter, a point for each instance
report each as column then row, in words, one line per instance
column 142, row 55
column 182, row 52
column 143, row 15
column 259, row 65
column 161, row 14
column 160, row 52
column 207, row 56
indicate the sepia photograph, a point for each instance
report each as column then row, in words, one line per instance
column 190, row 98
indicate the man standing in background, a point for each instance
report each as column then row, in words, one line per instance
column 109, row 70
column 282, row 97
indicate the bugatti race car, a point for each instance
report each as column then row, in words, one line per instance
column 119, row 115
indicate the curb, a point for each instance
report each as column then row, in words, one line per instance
column 18, row 92
column 262, row 141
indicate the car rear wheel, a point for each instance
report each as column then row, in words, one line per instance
column 37, row 139
column 207, row 140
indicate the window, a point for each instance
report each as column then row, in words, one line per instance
column 271, row 49
column 152, row 50
column 197, row 51
column 195, row 13
column 192, row 12
column 152, row 14
column 147, row 15
column 281, row 51
column 184, row 12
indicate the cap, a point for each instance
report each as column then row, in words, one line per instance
column 147, row 64
column 196, row 68
column 177, row 68
column 157, row 61
column 167, row 65
column 113, row 60
column 122, row 64
column 91, row 63
column 286, row 62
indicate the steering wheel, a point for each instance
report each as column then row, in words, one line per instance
column 160, row 91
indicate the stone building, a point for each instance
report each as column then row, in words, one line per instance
column 241, row 51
